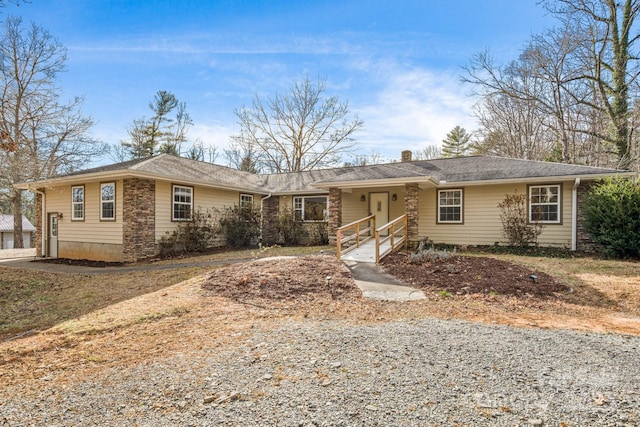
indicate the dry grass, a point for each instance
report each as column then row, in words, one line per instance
column 33, row 300
column 122, row 319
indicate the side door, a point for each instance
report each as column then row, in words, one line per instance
column 53, row 235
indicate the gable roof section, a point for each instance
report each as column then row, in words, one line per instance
column 6, row 223
column 472, row 169
column 438, row 172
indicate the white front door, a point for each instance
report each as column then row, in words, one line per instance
column 53, row 235
column 379, row 206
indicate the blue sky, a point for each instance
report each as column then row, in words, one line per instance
column 397, row 63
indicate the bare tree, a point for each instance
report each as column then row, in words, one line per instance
column 297, row 131
column 41, row 136
column 428, row 153
column 609, row 35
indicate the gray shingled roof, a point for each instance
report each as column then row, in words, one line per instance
column 464, row 169
column 6, row 223
column 451, row 170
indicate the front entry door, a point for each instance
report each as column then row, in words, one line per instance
column 379, row 206
column 53, row 235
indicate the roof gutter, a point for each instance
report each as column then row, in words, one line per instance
column 574, row 215
column 43, row 221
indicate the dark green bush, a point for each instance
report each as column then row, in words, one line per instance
column 612, row 210
column 290, row 231
column 241, row 226
column 196, row 235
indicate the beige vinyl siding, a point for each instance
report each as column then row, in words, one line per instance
column 204, row 198
column 481, row 216
column 91, row 230
column 353, row 209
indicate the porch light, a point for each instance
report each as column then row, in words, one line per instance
column 363, row 198
column 394, row 197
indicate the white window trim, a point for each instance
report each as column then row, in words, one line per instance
column 461, row 206
column 326, row 213
column 558, row 203
column 174, row 203
column 102, row 202
column 248, row 200
column 74, row 203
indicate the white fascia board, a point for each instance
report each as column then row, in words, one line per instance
column 388, row 182
column 589, row 177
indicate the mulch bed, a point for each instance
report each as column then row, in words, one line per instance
column 473, row 275
column 284, row 279
column 80, row 262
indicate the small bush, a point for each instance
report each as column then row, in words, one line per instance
column 196, row 235
column 241, row 226
column 319, row 233
column 515, row 225
column 612, row 210
column 290, row 231
column 430, row 255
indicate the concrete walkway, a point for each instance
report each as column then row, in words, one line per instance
column 378, row 285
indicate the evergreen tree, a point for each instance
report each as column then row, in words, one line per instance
column 456, row 144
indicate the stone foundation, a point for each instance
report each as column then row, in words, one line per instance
column 335, row 214
column 411, row 199
column 139, row 220
column 270, row 213
column 585, row 242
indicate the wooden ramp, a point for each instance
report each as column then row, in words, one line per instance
column 366, row 252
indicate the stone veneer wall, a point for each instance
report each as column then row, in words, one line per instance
column 270, row 213
column 411, row 209
column 39, row 230
column 139, row 219
column 335, row 214
column 585, row 242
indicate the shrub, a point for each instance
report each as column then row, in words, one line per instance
column 612, row 216
column 290, row 231
column 515, row 225
column 241, row 226
column 319, row 233
column 196, row 235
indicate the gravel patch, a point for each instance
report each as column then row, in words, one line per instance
column 310, row 373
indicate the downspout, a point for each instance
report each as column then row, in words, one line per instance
column 261, row 213
column 574, row 216
column 43, row 224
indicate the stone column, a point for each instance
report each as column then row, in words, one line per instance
column 585, row 242
column 138, row 219
column 270, row 213
column 335, row 213
column 411, row 209
column 39, row 229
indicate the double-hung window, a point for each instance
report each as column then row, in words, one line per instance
column 310, row 208
column 108, row 201
column 246, row 201
column 77, row 202
column 182, row 203
column 450, row 206
column 544, row 204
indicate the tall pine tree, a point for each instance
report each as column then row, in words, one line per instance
column 456, row 144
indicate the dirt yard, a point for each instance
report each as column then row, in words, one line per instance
column 217, row 306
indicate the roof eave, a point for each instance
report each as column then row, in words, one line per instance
column 545, row 178
column 128, row 173
column 386, row 182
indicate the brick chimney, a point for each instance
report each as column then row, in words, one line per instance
column 405, row 156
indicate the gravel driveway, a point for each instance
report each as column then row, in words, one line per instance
column 312, row 373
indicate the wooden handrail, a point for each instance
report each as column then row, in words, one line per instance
column 356, row 235
column 395, row 241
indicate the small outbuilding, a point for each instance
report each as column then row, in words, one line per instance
column 7, row 232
